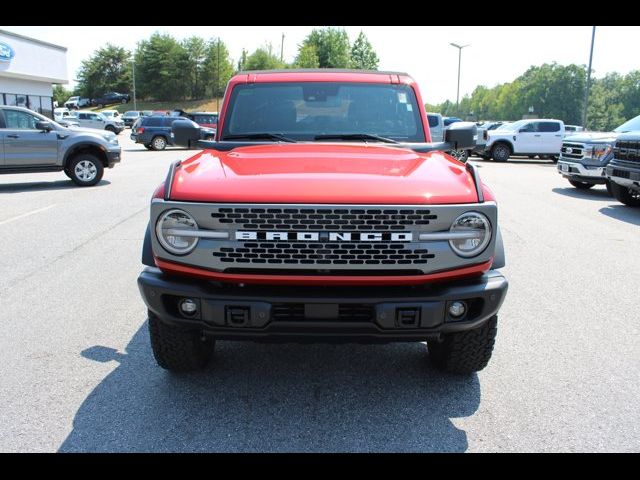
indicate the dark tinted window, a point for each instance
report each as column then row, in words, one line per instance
column 530, row 127
column 304, row 110
column 548, row 127
column 433, row 120
column 205, row 118
column 153, row 122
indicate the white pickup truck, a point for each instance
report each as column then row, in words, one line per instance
column 531, row 137
column 437, row 128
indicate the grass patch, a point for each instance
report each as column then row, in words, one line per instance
column 207, row 105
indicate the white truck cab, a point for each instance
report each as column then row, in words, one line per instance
column 530, row 137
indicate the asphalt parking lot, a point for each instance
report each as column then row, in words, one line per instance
column 78, row 374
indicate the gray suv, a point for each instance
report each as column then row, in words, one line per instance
column 30, row 142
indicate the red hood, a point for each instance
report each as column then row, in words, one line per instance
column 323, row 173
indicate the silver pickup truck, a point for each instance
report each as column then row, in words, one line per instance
column 30, row 142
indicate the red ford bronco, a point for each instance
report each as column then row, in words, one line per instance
column 323, row 212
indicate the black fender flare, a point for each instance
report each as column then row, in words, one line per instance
column 147, row 251
column 499, row 260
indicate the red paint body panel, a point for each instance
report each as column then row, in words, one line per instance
column 323, row 173
column 174, row 268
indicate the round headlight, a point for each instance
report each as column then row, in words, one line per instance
column 473, row 232
column 169, row 227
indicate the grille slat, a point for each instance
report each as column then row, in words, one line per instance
column 574, row 151
column 627, row 150
column 347, row 312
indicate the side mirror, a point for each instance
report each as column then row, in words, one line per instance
column 461, row 135
column 45, row 126
column 185, row 133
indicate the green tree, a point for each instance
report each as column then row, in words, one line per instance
column 363, row 56
column 196, row 51
column 331, row 46
column 61, row 95
column 243, row 61
column 307, row 57
column 108, row 69
column 162, row 68
column 218, row 67
column 263, row 59
column 606, row 110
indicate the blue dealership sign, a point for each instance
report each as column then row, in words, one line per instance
column 6, row 52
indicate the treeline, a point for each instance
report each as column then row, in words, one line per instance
column 168, row 69
column 554, row 91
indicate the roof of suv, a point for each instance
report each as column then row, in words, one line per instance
column 321, row 75
column 322, row 70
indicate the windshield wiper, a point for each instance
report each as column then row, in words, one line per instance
column 354, row 136
column 260, row 136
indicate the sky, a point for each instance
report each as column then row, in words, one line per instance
column 495, row 54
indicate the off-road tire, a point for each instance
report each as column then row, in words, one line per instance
column 581, row 185
column 460, row 155
column 465, row 352
column 625, row 195
column 553, row 158
column 88, row 159
column 111, row 129
column 158, row 143
column 609, row 190
column 177, row 349
column 148, row 146
column 500, row 152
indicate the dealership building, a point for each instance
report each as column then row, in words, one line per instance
column 28, row 68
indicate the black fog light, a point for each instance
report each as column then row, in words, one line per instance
column 457, row 309
column 188, row 307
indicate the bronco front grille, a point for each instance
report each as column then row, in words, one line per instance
column 354, row 219
column 572, row 151
column 324, row 253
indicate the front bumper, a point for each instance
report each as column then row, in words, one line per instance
column 113, row 157
column 353, row 314
column 578, row 171
column 627, row 176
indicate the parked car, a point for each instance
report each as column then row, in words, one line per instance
column 623, row 171
column 449, row 120
column 529, row 137
column 34, row 143
column 585, row 156
column 112, row 114
column 69, row 122
column 571, row 129
column 77, row 102
column 61, row 113
column 436, row 126
column 488, row 126
column 154, row 132
column 205, row 119
column 129, row 117
column 147, row 113
column 98, row 120
column 110, row 98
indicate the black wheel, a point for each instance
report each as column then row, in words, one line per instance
column 124, row 100
column 625, row 195
column 177, row 349
column 158, row 143
column 67, row 172
column 111, row 129
column 85, row 169
column 148, row 146
column 532, row 156
column 608, row 185
column 465, row 352
column 500, row 152
column 553, row 158
column 460, row 155
column 581, row 185
column 99, row 105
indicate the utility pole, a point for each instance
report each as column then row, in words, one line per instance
column 133, row 66
column 459, row 47
column 586, row 93
column 218, row 80
column 282, row 49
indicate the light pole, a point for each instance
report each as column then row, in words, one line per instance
column 218, row 80
column 459, row 47
column 586, row 94
column 133, row 66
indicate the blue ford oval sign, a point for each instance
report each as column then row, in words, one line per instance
column 6, row 52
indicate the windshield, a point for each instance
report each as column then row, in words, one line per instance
column 131, row 114
column 629, row 126
column 305, row 110
column 514, row 125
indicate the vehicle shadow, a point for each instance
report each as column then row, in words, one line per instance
column 594, row 193
column 43, row 186
column 275, row 397
column 622, row 212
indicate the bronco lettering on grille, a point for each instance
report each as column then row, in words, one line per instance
column 327, row 236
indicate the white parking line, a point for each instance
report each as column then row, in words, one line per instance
column 33, row 212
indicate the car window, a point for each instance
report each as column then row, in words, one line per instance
column 83, row 116
column 210, row 119
column 153, row 122
column 549, row 127
column 17, row 120
column 433, row 120
column 94, row 116
column 168, row 121
column 529, row 127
